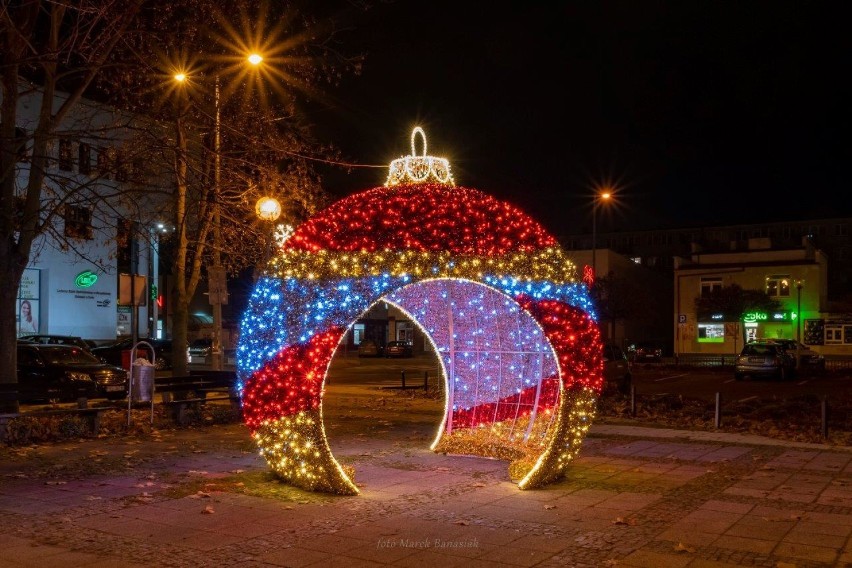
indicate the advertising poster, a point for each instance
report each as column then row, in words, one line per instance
column 29, row 302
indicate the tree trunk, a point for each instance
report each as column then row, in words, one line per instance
column 180, row 314
column 12, row 266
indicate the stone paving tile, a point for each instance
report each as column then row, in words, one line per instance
column 727, row 506
column 807, row 552
column 761, row 527
column 646, row 559
column 295, row 557
column 745, row 544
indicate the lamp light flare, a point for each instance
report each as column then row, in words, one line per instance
column 255, row 59
column 267, row 208
column 180, row 77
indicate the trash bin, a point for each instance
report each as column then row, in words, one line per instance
column 142, row 389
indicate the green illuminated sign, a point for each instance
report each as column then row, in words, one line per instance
column 85, row 279
column 753, row 317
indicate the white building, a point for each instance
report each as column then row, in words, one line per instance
column 93, row 206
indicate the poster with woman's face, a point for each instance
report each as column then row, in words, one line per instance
column 28, row 316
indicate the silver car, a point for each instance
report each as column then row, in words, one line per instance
column 764, row 359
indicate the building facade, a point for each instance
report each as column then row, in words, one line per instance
column 93, row 207
column 795, row 277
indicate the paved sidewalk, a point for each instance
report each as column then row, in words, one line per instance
column 634, row 497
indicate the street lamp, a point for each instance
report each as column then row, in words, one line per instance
column 799, row 285
column 217, row 285
column 599, row 198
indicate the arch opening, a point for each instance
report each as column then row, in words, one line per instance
column 500, row 375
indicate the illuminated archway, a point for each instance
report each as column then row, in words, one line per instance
column 440, row 253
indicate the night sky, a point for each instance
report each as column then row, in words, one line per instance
column 696, row 112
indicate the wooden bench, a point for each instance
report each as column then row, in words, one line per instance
column 184, row 393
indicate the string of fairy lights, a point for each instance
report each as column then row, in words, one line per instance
column 521, row 361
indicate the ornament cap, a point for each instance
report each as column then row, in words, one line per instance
column 414, row 169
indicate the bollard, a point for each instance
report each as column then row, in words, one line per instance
column 403, row 379
column 824, row 405
column 632, row 399
column 426, row 381
column 718, row 420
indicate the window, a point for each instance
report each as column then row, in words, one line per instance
column 711, row 333
column 84, row 158
column 106, row 162
column 833, row 334
column 841, row 230
column 78, row 222
column 709, row 286
column 836, row 334
column 21, row 144
column 358, row 333
column 778, row 286
column 66, row 159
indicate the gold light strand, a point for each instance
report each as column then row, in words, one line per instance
column 550, row 264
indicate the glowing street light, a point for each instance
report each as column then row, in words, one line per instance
column 267, row 208
column 602, row 197
column 216, row 277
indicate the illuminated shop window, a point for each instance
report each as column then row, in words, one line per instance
column 711, row 333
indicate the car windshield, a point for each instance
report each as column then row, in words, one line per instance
column 758, row 349
column 64, row 356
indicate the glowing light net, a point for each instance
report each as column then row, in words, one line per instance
column 514, row 328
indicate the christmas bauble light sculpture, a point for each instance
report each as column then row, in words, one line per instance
column 498, row 299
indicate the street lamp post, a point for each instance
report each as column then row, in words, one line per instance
column 604, row 196
column 799, row 285
column 217, row 288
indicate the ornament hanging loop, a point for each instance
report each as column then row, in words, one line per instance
column 417, row 130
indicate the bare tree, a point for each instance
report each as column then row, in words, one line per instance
column 238, row 133
column 57, row 48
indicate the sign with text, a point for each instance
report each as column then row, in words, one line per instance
column 135, row 289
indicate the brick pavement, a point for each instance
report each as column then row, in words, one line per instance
column 634, row 497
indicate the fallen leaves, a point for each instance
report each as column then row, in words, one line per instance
column 208, row 510
column 623, row 521
column 680, row 547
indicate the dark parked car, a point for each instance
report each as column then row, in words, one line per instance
column 399, row 349
column 617, row 368
column 811, row 360
column 112, row 354
column 764, row 359
column 65, row 372
column 58, row 340
column 645, row 352
column 199, row 351
column 369, row 348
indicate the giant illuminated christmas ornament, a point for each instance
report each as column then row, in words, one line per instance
column 499, row 300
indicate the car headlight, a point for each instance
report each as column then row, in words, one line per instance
column 77, row 376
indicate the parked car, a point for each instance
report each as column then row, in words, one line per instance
column 199, row 350
column 764, row 359
column 811, row 360
column 369, row 348
column 399, row 349
column 617, row 368
column 66, row 372
column 645, row 352
column 112, row 353
column 58, row 340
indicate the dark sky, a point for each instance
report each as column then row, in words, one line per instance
column 697, row 112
